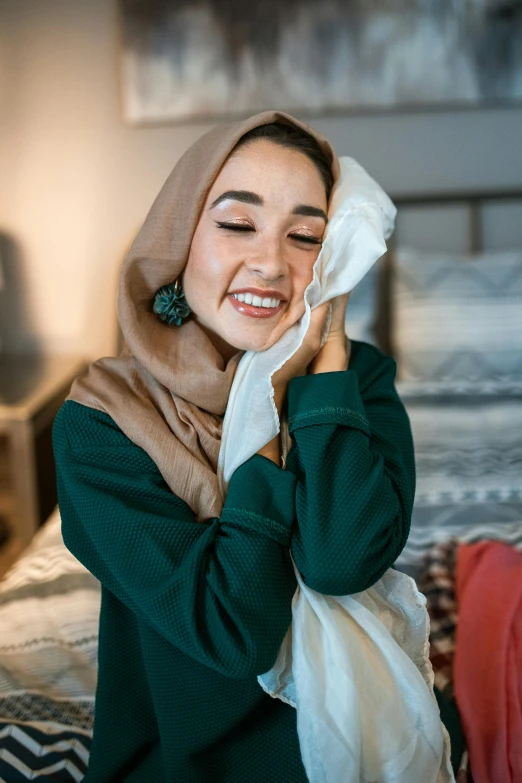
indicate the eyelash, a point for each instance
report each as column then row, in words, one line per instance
column 237, row 227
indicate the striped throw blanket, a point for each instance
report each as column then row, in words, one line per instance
column 49, row 610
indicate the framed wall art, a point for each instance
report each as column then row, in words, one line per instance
column 204, row 59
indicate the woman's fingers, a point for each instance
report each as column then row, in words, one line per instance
column 309, row 348
column 339, row 312
column 312, row 343
column 318, row 322
column 318, row 316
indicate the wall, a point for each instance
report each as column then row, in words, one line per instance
column 76, row 184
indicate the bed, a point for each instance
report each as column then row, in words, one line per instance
column 463, row 399
column 452, row 318
column 49, row 608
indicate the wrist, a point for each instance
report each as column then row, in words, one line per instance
column 333, row 357
column 272, row 450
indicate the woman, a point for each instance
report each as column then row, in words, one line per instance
column 196, row 593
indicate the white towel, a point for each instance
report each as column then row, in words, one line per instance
column 355, row 667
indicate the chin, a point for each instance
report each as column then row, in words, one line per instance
column 258, row 342
column 252, row 343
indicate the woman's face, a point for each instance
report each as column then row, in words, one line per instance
column 257, row 239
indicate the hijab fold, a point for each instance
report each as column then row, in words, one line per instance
column 168, row 390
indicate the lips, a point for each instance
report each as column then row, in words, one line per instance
column 271, row 293
column 251, row 310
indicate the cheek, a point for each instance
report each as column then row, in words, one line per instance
column 204, row 276
column 302, row 273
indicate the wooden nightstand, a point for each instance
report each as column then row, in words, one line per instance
column 32, row 389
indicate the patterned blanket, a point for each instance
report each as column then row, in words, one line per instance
column 49, row 611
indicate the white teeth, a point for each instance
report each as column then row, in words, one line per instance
column 256, row 301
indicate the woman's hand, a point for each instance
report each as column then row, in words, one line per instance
column 333, row 356
column 308, row 350
column 296, row 365
column 335, row 353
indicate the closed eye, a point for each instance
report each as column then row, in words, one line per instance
column 306, row 239
column 236, row 226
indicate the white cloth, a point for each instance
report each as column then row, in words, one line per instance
column 355, row 667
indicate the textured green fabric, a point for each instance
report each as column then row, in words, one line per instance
column 192, row 612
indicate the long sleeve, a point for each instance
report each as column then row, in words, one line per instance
column 220, row 591
column 352, row 454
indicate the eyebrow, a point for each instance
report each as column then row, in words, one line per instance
column 238, row 195
column 248, row 197
column 308, row 211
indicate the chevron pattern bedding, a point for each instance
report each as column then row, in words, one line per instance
column 457, row 316
column 49, row 607
column 457, row 329
column 468, row 455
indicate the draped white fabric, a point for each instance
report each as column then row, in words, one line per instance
column 356, row 668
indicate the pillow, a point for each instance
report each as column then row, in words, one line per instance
column 468, row 455
column 457, row 317
column 467, row 450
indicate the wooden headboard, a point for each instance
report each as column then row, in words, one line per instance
column 475, row 202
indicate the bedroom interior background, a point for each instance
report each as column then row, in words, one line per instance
column 76, row 184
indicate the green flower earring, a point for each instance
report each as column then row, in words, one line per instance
column 170, row 304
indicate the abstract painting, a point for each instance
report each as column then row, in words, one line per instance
column 199, row 59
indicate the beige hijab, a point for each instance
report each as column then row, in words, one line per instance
column 168, row 389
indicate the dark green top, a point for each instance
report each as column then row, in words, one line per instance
column 192, row 612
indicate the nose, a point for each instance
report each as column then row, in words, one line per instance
column 268, row 261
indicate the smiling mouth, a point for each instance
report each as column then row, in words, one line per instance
column 255, row 306
column 257, row 301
